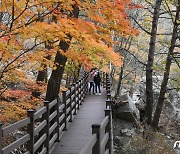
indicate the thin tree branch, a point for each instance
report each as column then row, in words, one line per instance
column 133, row 56
column 12, row 16
column 27, row 50
column 177, row 63
column 130, row 72
column 140, row 25
column 23, row 10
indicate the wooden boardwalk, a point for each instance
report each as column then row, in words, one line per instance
column 45, row 127
column 79, row 131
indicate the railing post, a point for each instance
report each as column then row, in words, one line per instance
column 103, row 80
column 108, row 104
column 107, row 78
column 1, row 135
column 71, row 116
column 86, row 82
column 75, row 98
column 109, row 144
column 107, row 82
column 108, row 96
column 83, row 88
column 108, row 87
column 65, row 110
column 78, row 96
column 57, row 118
column 96, row 130
column 46, row 129
column 79, row 90
column 30, row 131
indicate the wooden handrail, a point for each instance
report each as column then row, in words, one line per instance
column 104, row 123
column 104, row 141
column 99, row 144
column 89, row 145
column 8, row 129
column 45, row 125
column 16, row 144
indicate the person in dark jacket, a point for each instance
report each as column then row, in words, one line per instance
column 97, row 81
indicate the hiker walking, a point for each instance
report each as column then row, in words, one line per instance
column 97, row 81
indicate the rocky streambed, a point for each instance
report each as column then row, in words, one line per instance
column 132, row 136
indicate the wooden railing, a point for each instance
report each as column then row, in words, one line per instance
column 101, row 140
column 45, row 127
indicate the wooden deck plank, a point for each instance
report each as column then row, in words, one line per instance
column 79, row 131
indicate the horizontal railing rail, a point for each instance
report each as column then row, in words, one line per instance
column 44, row 127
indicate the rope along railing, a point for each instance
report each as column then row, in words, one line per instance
column 101, row 140
column 45, row 127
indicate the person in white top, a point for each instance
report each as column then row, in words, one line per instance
column 91, row 81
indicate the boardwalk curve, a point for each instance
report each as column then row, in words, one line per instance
column 78, row 133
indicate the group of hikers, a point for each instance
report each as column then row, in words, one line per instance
column 94, row 82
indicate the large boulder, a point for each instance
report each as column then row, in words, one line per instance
column 128, row 110
column 171, row 104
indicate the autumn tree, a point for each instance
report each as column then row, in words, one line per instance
column 169, row 59
column 159, row 32
column 102, row 25
column 26, row 28
column 60, row 61
column 150, row 62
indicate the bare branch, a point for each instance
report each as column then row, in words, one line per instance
column 132, row 71
column 23, row 10
column 167, row 12
column 20, row 55
column 140, row 25
column 150, row 4
column 12, row 16
column 177, row 63
column 133, row 56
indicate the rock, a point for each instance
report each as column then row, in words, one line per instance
column 127, row 132
column 171, row 106
column 125, row 115
column 128, row 111
column 43, row 95
column 123, row 132
column 19, row 134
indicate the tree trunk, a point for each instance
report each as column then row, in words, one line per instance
column 1, row 15
column 76, row 72
column 119, row 82
column 127, row 47
column 56, row 76
column 167, row 71
column 67, row 80
column 42, row 75
column 149, row 67
column 53, row 86
column 132, row 89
